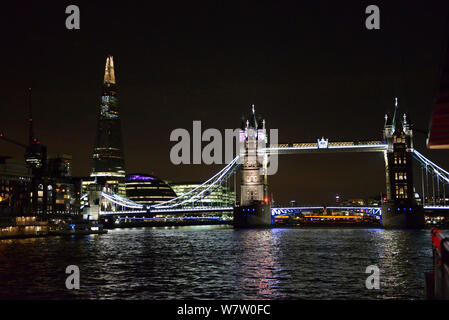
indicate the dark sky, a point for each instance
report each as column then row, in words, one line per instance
column 311, row 68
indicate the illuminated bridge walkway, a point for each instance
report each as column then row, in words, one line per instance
column 323, row 145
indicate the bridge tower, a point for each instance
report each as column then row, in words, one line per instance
column 400, row 209
column 254, row 209
column 92, row 211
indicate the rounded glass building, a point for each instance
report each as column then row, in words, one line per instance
column 147, row 189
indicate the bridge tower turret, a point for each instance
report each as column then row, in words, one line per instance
column 400, row 209
column 254, row 209
column 254, row 180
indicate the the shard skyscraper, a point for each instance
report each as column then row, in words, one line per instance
column 108, row 160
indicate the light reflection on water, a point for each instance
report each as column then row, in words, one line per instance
column 216, row 262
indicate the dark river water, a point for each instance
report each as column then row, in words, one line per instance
column 218, row 262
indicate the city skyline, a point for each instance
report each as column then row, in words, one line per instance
column 340, row 93
column 200, row 157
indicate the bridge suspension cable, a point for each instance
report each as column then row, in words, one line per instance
column 196, row 193
column 431, row 167
column 123, row 202
column 437, row 173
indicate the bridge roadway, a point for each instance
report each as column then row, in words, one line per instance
column 377, row 211
column 170, row 210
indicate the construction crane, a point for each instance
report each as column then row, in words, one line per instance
column 35, row 152
column 3, row 137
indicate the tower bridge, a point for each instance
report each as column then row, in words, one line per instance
column 400, row 210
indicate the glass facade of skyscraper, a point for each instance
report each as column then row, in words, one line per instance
column 108, row 158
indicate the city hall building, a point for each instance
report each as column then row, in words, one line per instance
column 147, row 189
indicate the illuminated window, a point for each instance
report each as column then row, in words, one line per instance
column 399, row 176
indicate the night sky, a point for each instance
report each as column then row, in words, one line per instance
column 311, row 68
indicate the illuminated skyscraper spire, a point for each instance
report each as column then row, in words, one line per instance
column 109, row 74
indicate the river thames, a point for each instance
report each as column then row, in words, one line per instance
column 218, row 262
